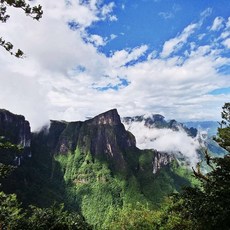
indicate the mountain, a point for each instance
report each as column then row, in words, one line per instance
column 16, row 130
column 92, row 166
column 210, row 126
column 185, row 141
column 158, row 121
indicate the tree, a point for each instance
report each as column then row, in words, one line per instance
column 11, row 215
column 6, row 148
column 33, row 11
column 208, row 206
column 54, row 217
column 223, row 137
column 133, row 217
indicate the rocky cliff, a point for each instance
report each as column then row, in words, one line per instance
column 16, row 130
column 103, row 136
column 160, row 160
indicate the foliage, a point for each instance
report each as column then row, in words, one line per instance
column 223, row 137
column 33, row 11
column 54, row 217
column 10, row 211
column 5, row 170
column 134, row 217
column 5, row 149
column 91, row 185
column 205, row 207
column 12, row 216
column 105, row 197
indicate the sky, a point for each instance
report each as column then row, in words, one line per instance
column 85, row 57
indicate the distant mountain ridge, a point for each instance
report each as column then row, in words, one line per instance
column 158, row 121
column 210, row 126
column 153, row 131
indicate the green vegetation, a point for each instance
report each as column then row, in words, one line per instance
column 106, row 198
column 15, row 216
column 206, row 206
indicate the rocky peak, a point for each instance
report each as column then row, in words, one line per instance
column 110, row 117
column 103, row 136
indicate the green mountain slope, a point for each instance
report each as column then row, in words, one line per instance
column 93, row 167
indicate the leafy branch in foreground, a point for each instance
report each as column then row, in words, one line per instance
column 33, row 11
column 223, row 137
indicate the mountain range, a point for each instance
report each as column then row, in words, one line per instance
column 100, row 164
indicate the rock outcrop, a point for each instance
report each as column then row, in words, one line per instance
column 103, row 136
column 15, row 128
column 160, row 160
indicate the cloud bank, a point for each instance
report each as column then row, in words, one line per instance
column 166, row 140
column 66, row 76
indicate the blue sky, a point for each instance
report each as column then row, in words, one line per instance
column 153, row 22
column 146, row 56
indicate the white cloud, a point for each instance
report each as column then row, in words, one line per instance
column 96, row 39
column 106, row 11
column 227, row 43
column 56, row 79
column 228, row 23
column 113, row 36
column 173, row 44
column 206, row 13
column 225, row 34
column 166, row 140
column 217, row 24
column 122, row 57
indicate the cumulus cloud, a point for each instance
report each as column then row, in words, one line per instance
column 166, row 140
column 57, row 78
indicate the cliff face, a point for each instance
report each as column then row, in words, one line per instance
column 103, row 136
column 15, row 128
column 160, row 160
column 109, row 137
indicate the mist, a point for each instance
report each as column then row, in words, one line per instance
column 166, row 140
